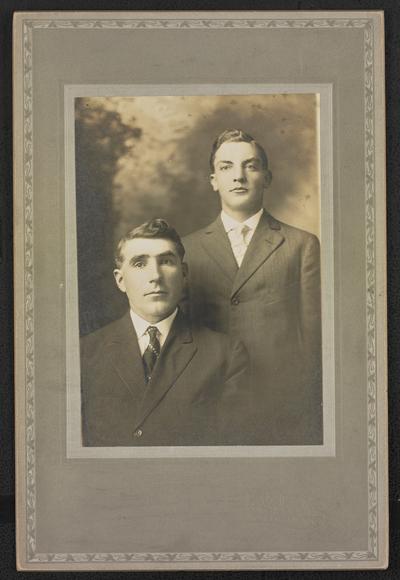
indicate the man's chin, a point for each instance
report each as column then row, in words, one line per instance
column 246, row 205
column 159, row 314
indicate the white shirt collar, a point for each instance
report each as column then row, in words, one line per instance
column 229, row 223
column 141, row 325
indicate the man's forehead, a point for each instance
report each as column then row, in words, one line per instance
column 234, row 149
column 148, row 247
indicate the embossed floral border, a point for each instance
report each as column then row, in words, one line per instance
column 371, row 554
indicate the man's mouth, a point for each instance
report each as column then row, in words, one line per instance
column 155, row 293
column 239, row 189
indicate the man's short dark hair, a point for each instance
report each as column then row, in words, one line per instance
column 156, row 228
column 236, row 136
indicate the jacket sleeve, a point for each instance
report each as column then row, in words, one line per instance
column 311, row 330
column 310, row 298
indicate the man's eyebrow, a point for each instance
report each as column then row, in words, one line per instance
column 142, row 257
column 250, row 160
column 166, row 254
column 134, row 259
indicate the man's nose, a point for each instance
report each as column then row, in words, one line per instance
column 154, row 270
column 239, row 174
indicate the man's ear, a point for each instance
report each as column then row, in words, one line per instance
column 185, row 288
column 267, row 178
column 185, row 269
column 213, row 182
column 119, row 279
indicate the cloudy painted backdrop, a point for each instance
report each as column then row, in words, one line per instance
column 143, row 157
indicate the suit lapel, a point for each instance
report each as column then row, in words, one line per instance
column 266, row 239
column 125, row 356
column 216, row 243
column 176, row 354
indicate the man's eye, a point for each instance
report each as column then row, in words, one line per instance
column 167, row 261
column 224, row 167
column 138, row 265
column 252, row 167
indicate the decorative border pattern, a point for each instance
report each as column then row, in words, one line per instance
column 203, row 557
column 29, row 294
column 209, row 557
column 371, row 285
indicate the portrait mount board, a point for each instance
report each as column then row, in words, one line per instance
column 240, row 508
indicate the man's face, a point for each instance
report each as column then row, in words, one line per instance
column 152, row 275
column 239, row 177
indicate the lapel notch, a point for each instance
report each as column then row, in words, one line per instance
column 267, row 238
column 125, row 355
column 216, row 243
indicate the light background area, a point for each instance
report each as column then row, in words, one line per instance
column 166, row 142
column 139, row 157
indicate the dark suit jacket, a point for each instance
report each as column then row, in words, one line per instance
column 272, row 304
column 192, row 399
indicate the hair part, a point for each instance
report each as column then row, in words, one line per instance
column 236, row 136
column 156, row 228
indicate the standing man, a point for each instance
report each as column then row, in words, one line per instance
column 258, row 280
column 149, row 378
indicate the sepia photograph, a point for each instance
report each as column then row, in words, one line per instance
column 199, row 216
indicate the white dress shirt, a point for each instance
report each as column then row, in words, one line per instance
column 239, row 241
column 141, row 325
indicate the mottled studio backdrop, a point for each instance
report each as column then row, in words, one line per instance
column 144, row 157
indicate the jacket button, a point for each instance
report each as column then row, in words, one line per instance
column 138, row 433
column 235, row 301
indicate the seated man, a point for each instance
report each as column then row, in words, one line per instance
column 150, row 378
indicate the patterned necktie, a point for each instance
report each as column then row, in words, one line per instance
column 238, row 241
column 151, row 353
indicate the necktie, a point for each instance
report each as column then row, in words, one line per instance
column 151, row 353
column 238, row 241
